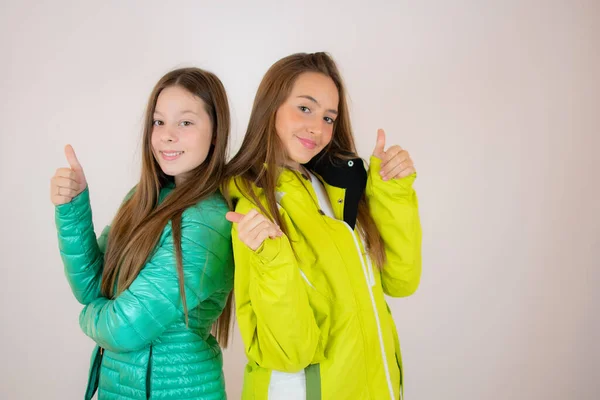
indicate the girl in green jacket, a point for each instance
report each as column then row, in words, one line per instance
column 158, row 282
column 318, row 240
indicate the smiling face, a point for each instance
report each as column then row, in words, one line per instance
column 181, row 132
column 304, row 122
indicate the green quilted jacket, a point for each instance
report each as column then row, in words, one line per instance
column 145, row 350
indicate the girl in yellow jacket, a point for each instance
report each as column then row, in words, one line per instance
column 318, row 240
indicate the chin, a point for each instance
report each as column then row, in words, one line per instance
column 304, row 158
column 169, row 171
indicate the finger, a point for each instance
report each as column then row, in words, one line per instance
column 234, row 217
column 66, row 173
column 251, row 221
column 398, row 170
column 72, row 159
column 264, row 225
column 65, row 182
column 58, row 200
column 275, row 232
column 393, row 152
column 68, row 192
column 256, row 242
column 393, row 165
column 245, row 226
column 248, row 217
column 261, row 237
column 393, row 171
column 379, row 150
column 405, row 172
column 268, row 228
column 244, row 221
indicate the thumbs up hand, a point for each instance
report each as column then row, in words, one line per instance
column 254, row 228
column 67, row 183
column 395, row 162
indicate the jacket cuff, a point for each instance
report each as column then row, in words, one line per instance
column 268, row 250
column 76, row 207
column 395, row 187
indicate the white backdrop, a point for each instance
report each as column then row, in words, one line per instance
column 497, row 101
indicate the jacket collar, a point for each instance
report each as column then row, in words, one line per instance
column 349, row 174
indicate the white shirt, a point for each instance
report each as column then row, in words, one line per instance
column 322, row 198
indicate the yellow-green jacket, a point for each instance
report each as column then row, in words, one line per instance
column 312, row 300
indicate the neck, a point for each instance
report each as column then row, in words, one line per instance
column 293, row 165
column 296, row 166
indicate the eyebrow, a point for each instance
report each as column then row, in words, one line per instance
column 189, row 111
column 305, row 96
column 183, row 112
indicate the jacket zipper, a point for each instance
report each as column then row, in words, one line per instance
column 379, row 333
column 149, row 374
column 370, row 279
column 94, row 375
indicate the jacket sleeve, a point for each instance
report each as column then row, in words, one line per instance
column 394, row 207
column 276, row 321
column 81, row 253
column 141, row 313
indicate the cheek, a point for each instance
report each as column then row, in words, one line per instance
column 154, row 141
column 286, row 123
column 280, row 125
column 199, row 141
column 327, row 135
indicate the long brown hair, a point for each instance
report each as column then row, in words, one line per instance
column 140, row 220
column 261, row 151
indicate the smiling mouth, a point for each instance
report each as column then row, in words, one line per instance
column 309, row 144
column 170, row 155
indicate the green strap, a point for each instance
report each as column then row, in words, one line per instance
column 313, row 382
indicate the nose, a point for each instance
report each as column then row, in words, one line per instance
column 315, row 127
column 169, row 135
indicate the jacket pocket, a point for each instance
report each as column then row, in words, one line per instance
column 94, row 375
column 316, row 282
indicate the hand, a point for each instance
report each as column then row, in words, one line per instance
column 254, row 228
column 67, row 183
column 395, row 162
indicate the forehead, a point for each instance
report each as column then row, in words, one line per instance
column 177, row 97
column 316, row 85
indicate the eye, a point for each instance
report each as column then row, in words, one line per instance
column 185, row 123
column 329, row 120
column 304, row 109
column 157, row 122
